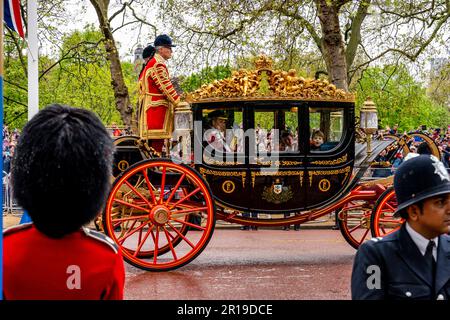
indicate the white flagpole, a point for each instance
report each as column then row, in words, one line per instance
column 33, row 59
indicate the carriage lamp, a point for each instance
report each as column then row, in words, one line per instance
column 183, row 127
column 369, row 121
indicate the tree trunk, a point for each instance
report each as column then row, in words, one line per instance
column 123, row 103
column 333, row 49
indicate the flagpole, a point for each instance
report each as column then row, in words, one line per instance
column 1, row 162
column 33, row 59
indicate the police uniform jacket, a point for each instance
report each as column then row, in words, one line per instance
column 403, row 271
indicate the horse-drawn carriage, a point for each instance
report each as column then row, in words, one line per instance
column 162, row 209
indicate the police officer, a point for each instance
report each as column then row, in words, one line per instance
column 414, row 261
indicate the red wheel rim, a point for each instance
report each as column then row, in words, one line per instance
column 384, row 221
column 150, row 226
column 354, row 222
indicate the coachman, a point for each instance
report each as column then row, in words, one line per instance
column 157, row 96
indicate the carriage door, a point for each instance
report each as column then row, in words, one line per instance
column 276, row 157
column 330, row 151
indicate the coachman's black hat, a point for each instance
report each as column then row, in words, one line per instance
column 164, row 41
column 420, row 178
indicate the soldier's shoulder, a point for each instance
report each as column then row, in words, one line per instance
column 17, row 229
column 102, row 238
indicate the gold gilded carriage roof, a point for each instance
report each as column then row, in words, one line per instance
column 264, row 83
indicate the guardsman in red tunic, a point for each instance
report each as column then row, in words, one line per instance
column 158, row 96
column 63, row 185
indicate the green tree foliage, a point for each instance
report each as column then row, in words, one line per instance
column 79, row 76
column 206, row 75
column 400, row 99
column 439, row 87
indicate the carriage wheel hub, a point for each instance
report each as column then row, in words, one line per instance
column 159, row 215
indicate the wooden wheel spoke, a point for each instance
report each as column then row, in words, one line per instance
column 163, row 182
column 170, row 243
column 364, row 236
column 129, row 218
column 181, row 213
column 387, row 220
column 150, row 212
column 189, row 224
column 141, row 243
column 155, row 252
column 390, row 207
column 176, row 188
column 149, row 185
column 185, row 198
column 138, row 193
column 131, row 205
column 131, row 232
column 182, row 236
column 356, row 227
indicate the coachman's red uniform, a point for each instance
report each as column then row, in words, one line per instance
column 82, row 265
column 157, row 99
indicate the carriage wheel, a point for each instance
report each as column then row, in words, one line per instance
column 354, row 222
column 383, row 221
column 149, row 212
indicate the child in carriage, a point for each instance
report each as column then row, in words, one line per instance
column 318, row 138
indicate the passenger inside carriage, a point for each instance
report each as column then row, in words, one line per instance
column 215, row 135
column 317, row 140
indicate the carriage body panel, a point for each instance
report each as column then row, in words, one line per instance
column 256, row 178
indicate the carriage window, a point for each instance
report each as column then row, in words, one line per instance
column 326, row 128
column 276, row 130
column 223, row 129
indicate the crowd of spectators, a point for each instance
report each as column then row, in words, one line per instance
column 10, row 139
column 441, row 138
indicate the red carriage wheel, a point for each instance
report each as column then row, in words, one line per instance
column 354, row 222
column 383, row 221
column 149, row 214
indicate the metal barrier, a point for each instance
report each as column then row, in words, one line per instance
column 9, row 203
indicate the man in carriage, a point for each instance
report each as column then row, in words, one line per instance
column 157, row 96
column 216, row 135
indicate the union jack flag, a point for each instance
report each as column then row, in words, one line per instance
column 12, row 17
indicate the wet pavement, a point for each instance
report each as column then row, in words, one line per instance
column 264, row 264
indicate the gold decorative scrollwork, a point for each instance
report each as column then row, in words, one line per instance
column 331, row 162
column 254, row 174
column 123, row 165
column 228, row 186
column 345, row 170
column 282, row 84
column 324, row 185
column 259, row 161
column 205, row 172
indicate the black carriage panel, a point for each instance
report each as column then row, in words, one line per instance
column 278, row 190
column 329, row 163
column 277, row 159
column 126, row 154
column 212, row 147
column 223, row 164
column 230, row 187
